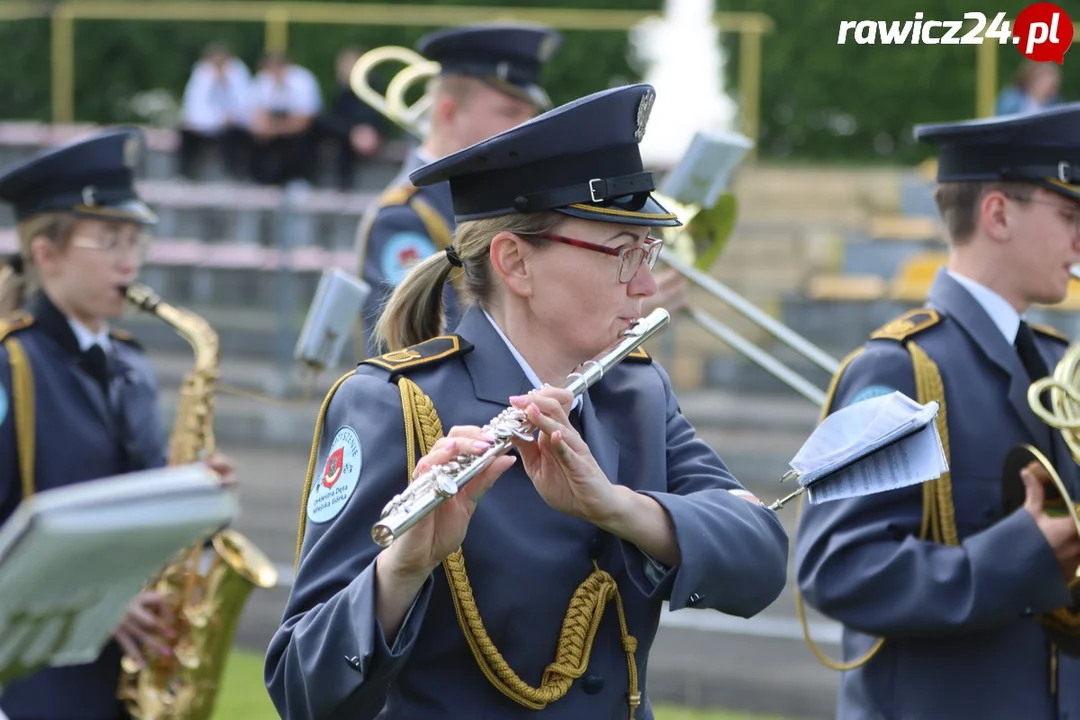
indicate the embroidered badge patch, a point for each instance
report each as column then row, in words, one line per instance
column 872, row 391
column 339, row 477
column 401, row 252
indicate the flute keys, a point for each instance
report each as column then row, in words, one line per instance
column 445, row 485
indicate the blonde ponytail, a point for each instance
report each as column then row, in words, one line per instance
column 19, row 277
column 415, row 310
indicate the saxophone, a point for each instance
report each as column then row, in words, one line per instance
column 205, row 586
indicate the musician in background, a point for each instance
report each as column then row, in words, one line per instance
column 94, row 412
column 952, row 582
column 617, row 500
column 488, row 83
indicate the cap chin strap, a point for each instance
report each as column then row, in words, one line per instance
column 596, row 190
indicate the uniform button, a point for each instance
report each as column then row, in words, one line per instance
column 593, row 683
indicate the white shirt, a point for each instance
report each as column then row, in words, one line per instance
column 209, row 100
column 998, row 308
column 87, row 338
column 529, row 372
column 298, row 93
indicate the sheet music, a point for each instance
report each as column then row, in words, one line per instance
column 912, row 460
column 858, row 430
column 72, row 558
column 871, row 446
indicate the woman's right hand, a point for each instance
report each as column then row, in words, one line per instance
column 419, row 551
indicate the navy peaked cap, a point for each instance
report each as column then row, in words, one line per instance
column 1040, row 147
column 507, row 56
column 93, row 176
column 582, row 159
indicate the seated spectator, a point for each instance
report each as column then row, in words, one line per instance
column 350, row 125
column 1034, row 87
column 215, row 112
column 285, row 99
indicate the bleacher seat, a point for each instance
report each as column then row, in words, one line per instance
column 847, row 287
column 913, row 278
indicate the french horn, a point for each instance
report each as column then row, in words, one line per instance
column 1063, row 414
column 393, row 105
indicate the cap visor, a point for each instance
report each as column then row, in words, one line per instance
column 128, row 211
column 1069, row 191
column 650, row 213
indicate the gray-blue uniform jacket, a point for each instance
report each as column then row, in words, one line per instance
column 78, row 436
column 959, row 618
column 406, row 225
column 330, row 660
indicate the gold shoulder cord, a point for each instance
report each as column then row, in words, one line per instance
column 938, row 513
column 319, row 421
column 422, row 429
column 22, row 381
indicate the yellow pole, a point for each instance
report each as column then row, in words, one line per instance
column 63, row 64
column 277, row 29
column 986, row 71
column 750, row 86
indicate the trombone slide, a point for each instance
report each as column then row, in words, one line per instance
column 780, row 331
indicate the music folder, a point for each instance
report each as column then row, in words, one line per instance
column 72, row 558
column 331, row 318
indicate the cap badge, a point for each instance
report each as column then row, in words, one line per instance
column 643, row 110
column 131, row 151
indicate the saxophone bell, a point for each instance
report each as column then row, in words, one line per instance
column 207, row 585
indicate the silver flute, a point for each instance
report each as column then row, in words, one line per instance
column 444, row 481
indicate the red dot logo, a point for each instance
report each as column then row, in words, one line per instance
column 1043, row 32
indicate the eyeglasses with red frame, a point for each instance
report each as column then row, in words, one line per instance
column 630, row 257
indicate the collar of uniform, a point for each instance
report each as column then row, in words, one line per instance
column 530, row 374
column 55, row 324
column 1004, row 315
column 88, row 338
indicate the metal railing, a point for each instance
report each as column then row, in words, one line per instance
column 278, row 16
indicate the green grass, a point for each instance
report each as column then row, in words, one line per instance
column 243, row 697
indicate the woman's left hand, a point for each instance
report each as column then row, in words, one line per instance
column 224, row 466
column 559, row 463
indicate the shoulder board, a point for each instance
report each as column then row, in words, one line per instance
column 638, row 355
column 426, row 354
column 125, row 337
column 1050, row 332
column 397, row 195
column 15, row 322
column 910, row 323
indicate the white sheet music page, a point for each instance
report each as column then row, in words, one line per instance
column 878, row 444
column 72, row 558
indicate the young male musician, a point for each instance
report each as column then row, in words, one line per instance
column 942, row 587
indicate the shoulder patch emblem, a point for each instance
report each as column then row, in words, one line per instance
column 910, row 323
column 426, row 353
column 1050, row 332
column 340, row 476
column 15, row 322
column 638, row 355
column 401, row 252
column 871, row 391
